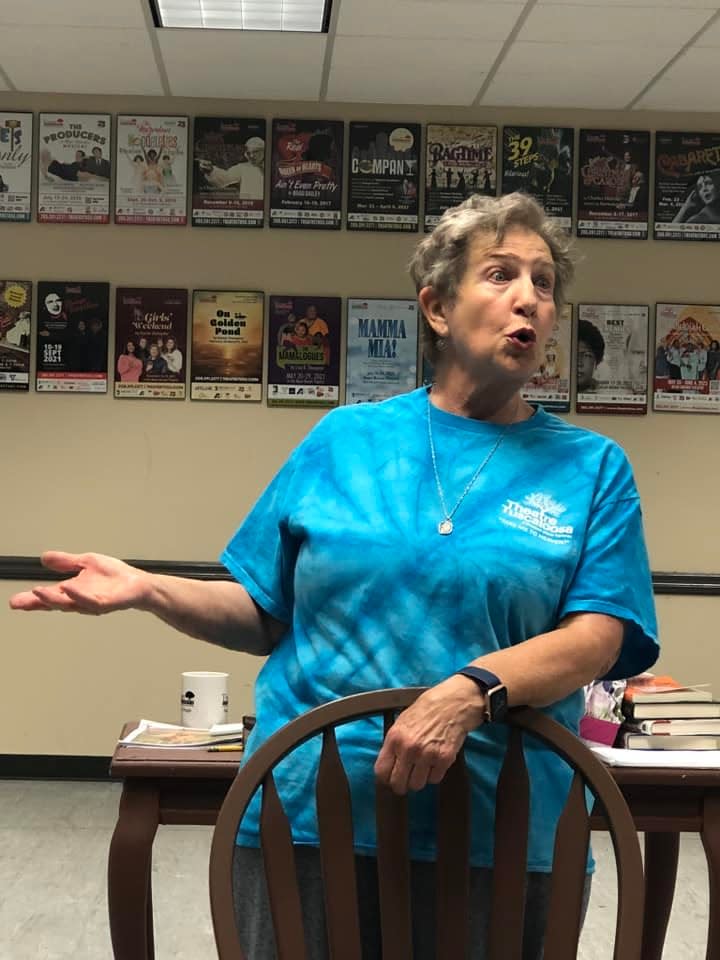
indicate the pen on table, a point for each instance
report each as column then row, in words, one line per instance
column 225, row 746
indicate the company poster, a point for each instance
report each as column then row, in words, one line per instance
column 15, row 324
column 228, row 179
column 382, row 349
column 227, row 345
column 74, row 168
column 613, row 195
column 384, row 177
column 459, row 160
column 150, row 342
column 304, row 351
column 539, row 161
column 72, row 336
column 16, row 145
column 306, row 174
column 687, row 186
column 550, row 386
column 151, row 184
column 687, row 357
column 611, row 349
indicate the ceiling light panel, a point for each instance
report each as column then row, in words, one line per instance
column 283, row 15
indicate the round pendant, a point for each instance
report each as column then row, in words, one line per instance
column 445, row 527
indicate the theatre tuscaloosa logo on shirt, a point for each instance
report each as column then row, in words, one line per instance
column 537, row 515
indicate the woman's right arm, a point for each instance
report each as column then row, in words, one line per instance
column 218, row 611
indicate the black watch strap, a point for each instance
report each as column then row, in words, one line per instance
column 494, row 689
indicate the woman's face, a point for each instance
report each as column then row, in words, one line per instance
column 154, row 351
column 130, row 348
column 143, row 342
column 170, row 344
column 586, row 363
column 504, row 309
column 706, row 189
column 301, row 329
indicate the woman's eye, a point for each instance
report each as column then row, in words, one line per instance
column 498, row 275
column 544, row 282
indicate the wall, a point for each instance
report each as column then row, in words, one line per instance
column 171, row 481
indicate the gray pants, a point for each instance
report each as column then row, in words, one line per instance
column 255, row 925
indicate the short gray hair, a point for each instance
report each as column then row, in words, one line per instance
column 440, row 259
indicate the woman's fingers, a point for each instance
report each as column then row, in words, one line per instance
column 26, row 600
column 62, row 562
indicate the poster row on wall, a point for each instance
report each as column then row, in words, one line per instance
column 225, row 342
column 226, row 186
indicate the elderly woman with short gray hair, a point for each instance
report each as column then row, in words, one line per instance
column 455, row 537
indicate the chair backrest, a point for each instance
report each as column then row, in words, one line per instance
column 453, row 838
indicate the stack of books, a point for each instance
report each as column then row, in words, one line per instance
column 663, row 714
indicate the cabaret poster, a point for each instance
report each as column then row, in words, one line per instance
column 687, row 358
column 384, row 177
column 228, row 178
column 74, row 168
column 150, row 342
column 72, row 336
column 613, row 194
column 227, row 345
column 382, row 349
column 15, row 320
column 306, row 174
column 459, row 161
column 687, row 186
column 151, row 181
column 539, row 161
column 16, row 145
column 550, row 385
column 304, row 351
column 611, row 348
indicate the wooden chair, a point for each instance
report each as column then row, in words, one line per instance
column 453, row 837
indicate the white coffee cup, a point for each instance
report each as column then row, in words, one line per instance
column 203, row 698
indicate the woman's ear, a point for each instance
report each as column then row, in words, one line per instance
column 434, row 310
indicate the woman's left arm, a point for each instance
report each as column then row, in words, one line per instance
column 425, row 739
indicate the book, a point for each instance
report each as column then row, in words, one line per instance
column 664, row 741
column 708, row 728
column 152, row 733
column 647, row 688
column 670, row 711
column 675, row 759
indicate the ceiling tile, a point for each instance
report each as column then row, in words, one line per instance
column 390, row 71
column 558, row 23
column 709, row 37
column 674, row 4
column 245, row 66
column 511, row 89
column 690, row 84
column 637, row 63
column 74, row 13
column 419, row 18
column 112, row 61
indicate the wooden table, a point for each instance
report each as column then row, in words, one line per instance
column 188, row 787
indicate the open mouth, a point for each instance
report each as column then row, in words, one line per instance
column 525, row 337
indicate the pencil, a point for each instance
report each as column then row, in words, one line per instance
column 225, row 746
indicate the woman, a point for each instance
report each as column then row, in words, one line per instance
column 129, row 365
column 172, row 355
column 702, row 204
column 406, row 540
column 155, row 364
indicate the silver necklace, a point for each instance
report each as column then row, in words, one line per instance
column 446, row 525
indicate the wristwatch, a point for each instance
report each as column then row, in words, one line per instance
column 493, row 688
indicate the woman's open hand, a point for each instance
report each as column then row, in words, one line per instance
column 97, row 584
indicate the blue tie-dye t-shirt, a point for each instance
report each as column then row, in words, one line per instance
column 343, row 547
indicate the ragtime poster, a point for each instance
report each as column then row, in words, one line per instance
column 384, row 177
column 304, row 351
column 228, row 180
column 612, row 358
column 382, row 349
column 613, row 195
column 15, row 318
column 150, row 342
column 227, row 345
column 72, row 336
column 687, row 357
column 459, row 160
column 539, row 161
column 16, row 139
column 306, row 174
column 687, row 186
column 151, row 182
column 74, row 168
column 550, row 386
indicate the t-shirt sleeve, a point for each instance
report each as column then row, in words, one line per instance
column 613, row 574
column 261, row 555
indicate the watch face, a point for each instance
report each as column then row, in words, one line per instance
column 498, row 702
